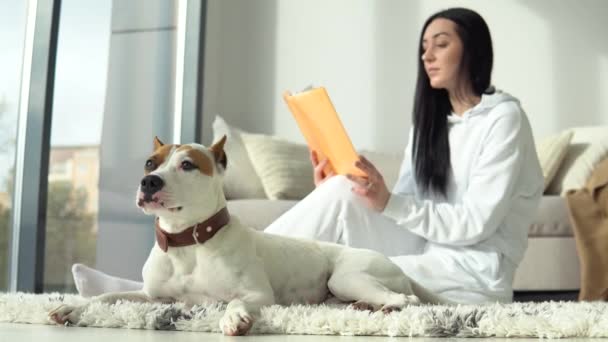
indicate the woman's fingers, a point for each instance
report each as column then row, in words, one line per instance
column 319, row 167
column 369, row 168
column 314, row 158
column 361, row 191
column 361, row 181
column 363, row 187
column 367, row 163
column 319, row 171
column 371, row 187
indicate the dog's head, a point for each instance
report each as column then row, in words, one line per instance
column 182, row 184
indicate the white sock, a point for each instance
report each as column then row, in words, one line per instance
column 91, row 282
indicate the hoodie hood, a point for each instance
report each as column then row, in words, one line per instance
column 487, row 103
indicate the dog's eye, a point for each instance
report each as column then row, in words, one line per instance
column 150, row 165
column 186, row 166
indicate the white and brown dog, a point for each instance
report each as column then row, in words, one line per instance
column 202, row 253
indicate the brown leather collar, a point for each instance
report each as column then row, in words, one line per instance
column 197, row 234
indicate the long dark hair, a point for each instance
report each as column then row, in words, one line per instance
column 431, row 148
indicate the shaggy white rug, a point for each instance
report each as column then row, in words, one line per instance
column 542, row 320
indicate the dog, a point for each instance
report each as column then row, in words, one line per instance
column 202, row 253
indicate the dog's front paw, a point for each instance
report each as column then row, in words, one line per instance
column 363, row 306
column 399, row 303
column 236, row 322
column 67, row 314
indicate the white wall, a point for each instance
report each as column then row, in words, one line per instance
column 552, row 55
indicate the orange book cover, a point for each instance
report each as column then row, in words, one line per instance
column 323, row 130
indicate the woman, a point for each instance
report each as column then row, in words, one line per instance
column 457, row 220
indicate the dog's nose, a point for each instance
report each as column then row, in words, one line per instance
column 151, row 184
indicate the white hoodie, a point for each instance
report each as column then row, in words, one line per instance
column 493, row 192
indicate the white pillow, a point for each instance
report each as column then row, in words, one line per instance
column 588, row 147
column 240, row 179
column 551, row 152
column 284, row 167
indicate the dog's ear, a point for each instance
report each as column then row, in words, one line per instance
column 218, row 152
column 157, row 143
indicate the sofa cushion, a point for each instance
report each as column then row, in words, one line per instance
column 551, row 152
column 551, row 218
column 284, row 167
column 550, row 263
column 240, row 178
column 588, row 147
column 258, row 213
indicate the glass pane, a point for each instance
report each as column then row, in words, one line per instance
column 12, row 35
column 80, row 87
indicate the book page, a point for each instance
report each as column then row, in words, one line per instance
column 323, row 130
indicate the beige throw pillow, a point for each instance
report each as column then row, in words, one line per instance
column 588, row 147
column 283, row 167
column 240, row 179
column 551, row 152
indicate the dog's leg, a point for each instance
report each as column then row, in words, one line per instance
column 242, row 312
column 368, row 292
column 72, row 314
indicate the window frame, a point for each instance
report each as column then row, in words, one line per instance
column 26, row 267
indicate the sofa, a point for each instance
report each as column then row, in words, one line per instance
column 267, row 175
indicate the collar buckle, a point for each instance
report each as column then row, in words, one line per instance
column 195, row 234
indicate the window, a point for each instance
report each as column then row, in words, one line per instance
column 12, row 32
column 80, row 88
column 110, row 71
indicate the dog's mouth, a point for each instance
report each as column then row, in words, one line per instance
column 147, row 202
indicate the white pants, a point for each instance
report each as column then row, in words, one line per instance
column 333, row 213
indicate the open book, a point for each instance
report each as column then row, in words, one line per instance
column 323, row 130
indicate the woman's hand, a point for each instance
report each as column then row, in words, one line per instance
column 319, row 172
column 372, row 187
